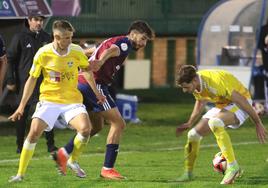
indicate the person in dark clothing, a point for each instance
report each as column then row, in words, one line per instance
column 3, row 62
column 263, row 47
column 20, row 55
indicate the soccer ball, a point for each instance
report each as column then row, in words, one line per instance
column 219, row 163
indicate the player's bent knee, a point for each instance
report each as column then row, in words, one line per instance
column 215, row 122
column 34, row 135
column 120, row 124
column 193, row 135
column 85, row 131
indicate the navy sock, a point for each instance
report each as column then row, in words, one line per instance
column 70, row 146
column 111, row 155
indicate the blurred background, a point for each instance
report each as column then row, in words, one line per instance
column 207, row 32
column 174, row 21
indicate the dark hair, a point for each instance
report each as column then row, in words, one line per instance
column 62, row 25
column 186, row 74
column 142, row 27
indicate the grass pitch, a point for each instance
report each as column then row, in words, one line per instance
column 150, row 155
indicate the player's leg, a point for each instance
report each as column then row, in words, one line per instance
column 21, row 129
column 97, row 125
column 192, row 148
column 49, row 135
column 97, row 122
column 217, row 125
column 62, row 157
column 83, row 127
column 74, row 115
column 50, row 141
column 37, row 128
column 117, row 124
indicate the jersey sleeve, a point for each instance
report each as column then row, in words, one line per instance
column 83, row 61
column 124, row 46
column 36, row 68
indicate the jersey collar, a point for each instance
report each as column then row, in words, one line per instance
column 68, row 51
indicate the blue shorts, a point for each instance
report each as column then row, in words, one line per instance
column 90, row 100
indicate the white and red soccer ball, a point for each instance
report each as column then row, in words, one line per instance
column 219, row 163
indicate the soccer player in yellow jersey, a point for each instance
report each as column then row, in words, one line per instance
column 59, row 98
column 233, row 105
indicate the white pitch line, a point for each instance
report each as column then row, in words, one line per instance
column 163, row 149
column 208, row 146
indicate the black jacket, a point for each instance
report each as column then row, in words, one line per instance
column 262, row 46
column 20, row 56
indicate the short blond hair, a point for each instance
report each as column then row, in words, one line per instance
column 62, row 25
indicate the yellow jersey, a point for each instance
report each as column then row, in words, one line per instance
column 216, row 86
column 60, row 73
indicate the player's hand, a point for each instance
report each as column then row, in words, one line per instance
column 261, row 133
column 101, row 98
column 17, row 114
column 95, row 65
column 181, row 128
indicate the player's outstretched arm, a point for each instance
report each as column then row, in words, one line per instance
column 27, row 92
column 88, row 75
column 96, row 64
column 197, row 110
column 242, row 102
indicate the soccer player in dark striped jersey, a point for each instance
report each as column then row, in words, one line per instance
column 106, row 60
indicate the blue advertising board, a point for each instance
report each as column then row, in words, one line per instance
column 6, row 9
column 10, row 9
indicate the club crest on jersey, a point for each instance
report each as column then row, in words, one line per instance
column 124, row 46
column 54, row 76
column 70, row 64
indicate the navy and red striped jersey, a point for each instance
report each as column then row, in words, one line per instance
column 107, row 71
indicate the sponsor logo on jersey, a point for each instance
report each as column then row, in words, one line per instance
column 54, row 76
column 60, row 77
column 28, row 45
column 67, row 75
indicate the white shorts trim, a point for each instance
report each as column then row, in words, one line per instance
column 50, row 112
column 240, row 114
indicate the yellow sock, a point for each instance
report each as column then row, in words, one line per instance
column 190, row 153
column 26, row 155
column 223, row 139
column 79, row 144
